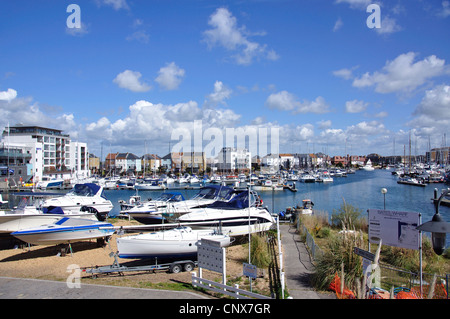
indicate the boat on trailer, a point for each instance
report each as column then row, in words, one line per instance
column 179, row 242
column 235, row 217
column 65, row 231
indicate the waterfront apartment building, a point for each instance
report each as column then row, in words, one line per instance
column 231, row 159
column 53, row 154
column 128, row 162
column 195, row 162
column 439, row 155
column 151, row 163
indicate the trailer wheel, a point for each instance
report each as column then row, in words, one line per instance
column 189, row 266
column 176, row 268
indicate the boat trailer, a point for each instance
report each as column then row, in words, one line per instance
column 173, row 267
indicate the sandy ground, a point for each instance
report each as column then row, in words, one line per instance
column 43, row 262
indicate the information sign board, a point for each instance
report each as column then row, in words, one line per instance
column 394, row 228
column 211, row 256
column 250, row 270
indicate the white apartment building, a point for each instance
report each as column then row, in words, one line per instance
column 272, row 160
column 230, row 158
column 52, row 152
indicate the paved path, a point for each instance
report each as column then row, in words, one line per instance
column 298, row 266
column 17, row 288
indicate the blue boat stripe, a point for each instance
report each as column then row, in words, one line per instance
column 58, row 230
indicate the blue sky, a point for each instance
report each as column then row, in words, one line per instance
column 137, row 70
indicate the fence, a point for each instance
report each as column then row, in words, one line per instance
column 314, row 249
column 234, row 292
column 404, row 279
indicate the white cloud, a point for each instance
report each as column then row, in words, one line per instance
column 402, row 74
column 8, row 95
column 355, row 106
column 445, row 9
column 79, row 32
column 346, row 74
column 286, row 101
column 324, row 124
column 220, row 94
column 388, row 25
column 130, row 80
column 22, row 110
column 147, row 121
column 432, row 115
column 366, row 128
column 170, row 76
column 116, row 4
column 226, row 33
column 140, row 36
column 356, row 4
column 338, row 25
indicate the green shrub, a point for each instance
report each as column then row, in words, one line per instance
column 260, row 255
column 348, row 217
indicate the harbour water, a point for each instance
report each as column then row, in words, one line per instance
column 362, row 190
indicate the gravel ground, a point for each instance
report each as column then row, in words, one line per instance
column 43, row 262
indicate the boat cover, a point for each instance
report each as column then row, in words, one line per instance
column 240, row 201
column 87, row 189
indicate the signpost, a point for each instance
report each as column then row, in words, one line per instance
column 211, row 256
column 397, row 229
column 394, row 228
column 250, row 270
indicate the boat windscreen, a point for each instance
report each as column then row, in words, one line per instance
column 87, row 189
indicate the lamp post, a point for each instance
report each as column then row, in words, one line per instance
column 438, row 227
column 384, row 191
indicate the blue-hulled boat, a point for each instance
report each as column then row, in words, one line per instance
column 65, row 231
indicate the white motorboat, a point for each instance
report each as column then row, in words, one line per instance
column 65, row 231
column 183, row 179
column 307, row 207
column 194, row 179
column 28, row 215
column 325, row 178
column 133, row 201
column 83, row 197
column 307, row 178
column 144, row 210
column 234, row 217
column 172, row 204
column 150, row 185
column 267, row 185
column 180, row 242
column 48, row 182
column 368, row 167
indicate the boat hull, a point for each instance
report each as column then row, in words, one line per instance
column 14, row 222
column 63, row 232
column 169, row 244
column 231, row 223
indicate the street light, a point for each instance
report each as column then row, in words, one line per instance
column 384, row 191
column 438, row 227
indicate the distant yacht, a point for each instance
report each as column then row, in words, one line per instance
column 368, row 166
